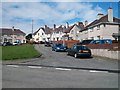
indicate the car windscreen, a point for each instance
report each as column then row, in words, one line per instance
column 86, row 41
column 58, row 45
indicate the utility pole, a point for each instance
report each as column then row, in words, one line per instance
column 32, row 29
column 13, row 34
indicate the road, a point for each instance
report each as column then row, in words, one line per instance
column 57, row 70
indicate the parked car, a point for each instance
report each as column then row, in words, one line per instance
column 39, row 42
column 7, row 44
column 103, row 41
column 79, row 51
column 58, row 47
column 47, row 44
column 16, row 43
column 85, row 42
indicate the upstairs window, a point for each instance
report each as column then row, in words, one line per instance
column 98, row 27
column 104, row 25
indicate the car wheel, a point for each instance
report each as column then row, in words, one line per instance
column 55, row 50
column 75, row 55
column 67, row 53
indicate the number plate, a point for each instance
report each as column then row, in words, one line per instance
column 85, row 51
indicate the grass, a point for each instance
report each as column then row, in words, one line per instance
column 19, row 52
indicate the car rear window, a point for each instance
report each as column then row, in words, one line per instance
column 81, row 48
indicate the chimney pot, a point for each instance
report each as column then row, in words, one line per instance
column 86, row 23
column 99, row 16
column 110, row 15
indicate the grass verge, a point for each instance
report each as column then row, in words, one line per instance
column 19, row 52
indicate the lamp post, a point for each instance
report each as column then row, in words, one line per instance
column 32, row 29
column 13, row 34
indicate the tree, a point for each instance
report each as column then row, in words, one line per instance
column 29, row 36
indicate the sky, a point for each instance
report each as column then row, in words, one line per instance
column 20, row 14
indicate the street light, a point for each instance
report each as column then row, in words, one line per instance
column 13, row 34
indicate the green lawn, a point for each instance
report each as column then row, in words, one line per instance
column 19, row 52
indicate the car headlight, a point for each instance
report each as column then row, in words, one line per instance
column 58, row 48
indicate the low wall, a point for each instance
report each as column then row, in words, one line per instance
column 106, row 53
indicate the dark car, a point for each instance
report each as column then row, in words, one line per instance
column 7, row 44
column 85, row 42
column 47, row 44
column 79, row 51
column 58, row 47
column 39, row 42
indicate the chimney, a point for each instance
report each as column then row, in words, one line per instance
column 99, row 16
column 45, row 26
column 54, row 26
column 86, row 23
column 67, row 25
column 79, row 23
column 13, row 28
column 110, row 15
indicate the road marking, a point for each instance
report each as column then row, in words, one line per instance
column 34, row 67
column 94, row 71
column 63, row 69
column 13, row 66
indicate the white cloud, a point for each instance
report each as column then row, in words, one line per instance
column 59, row 0
column 20, row 14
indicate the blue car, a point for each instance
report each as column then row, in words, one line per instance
column 58, row 47
column 103, row 41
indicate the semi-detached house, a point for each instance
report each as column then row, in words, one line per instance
column 42, row 34
column 12, row 35
column 102, row 28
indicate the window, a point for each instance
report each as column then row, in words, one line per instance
column 72, row 32
column 5, row 39
column 57, row 38
column 104, row 25
column 92, row 38
column 98, row 37
column 97, row 42
column 44, row 39
column 98, row 27
column 91, row 29
column 119, row 27
column 42, row 33
column 75, row 47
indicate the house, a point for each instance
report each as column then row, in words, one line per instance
column 74, row 31
column 57, row 33
column 12, row 35
column 102, row 28
column 42, row 34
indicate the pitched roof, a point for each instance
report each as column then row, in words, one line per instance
column 59, row 29
column 103, row 19
column 9, row 31
column 67, row 30
column 47, row 30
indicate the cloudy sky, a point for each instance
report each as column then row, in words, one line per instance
column 20, row 14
